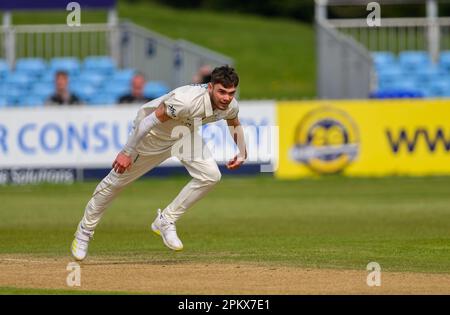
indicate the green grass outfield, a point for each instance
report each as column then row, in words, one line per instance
column 401, row 223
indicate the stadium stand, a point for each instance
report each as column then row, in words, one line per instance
column 411, row 74
column 96, row 80
column 410, row 52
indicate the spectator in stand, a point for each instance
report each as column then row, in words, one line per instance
column 62, row 94
column 137, row 91
column 203, row 75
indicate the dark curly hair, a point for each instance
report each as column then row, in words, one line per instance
column 226, row 76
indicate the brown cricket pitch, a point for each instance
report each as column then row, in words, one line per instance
column 102, row 274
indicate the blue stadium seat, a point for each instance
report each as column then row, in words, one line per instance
column 387, row 77
column 124, row 76
column 18, row 80
column 155, row 89
column 116, row 89
column 12, row 94
column 4, row 69
column 410, row 94
column 31, row 66
column 69, row 64
column 91, row 77
column 101, row 64
column 444, row 60
column 31, row 101
column 95, row 81
column 412, row 60
column 396, row 93
column 439, row 88
column 48, row 77
column 414, row 72
column 42, row 89
column 407, row 84
column 383, row 59
column 83, row 90
column 430, row 73
column 102, row 99
column 389, row 68
column 3, row 101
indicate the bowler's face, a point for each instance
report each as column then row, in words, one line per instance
column 220, row 95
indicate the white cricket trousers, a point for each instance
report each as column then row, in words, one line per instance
column 204, row 171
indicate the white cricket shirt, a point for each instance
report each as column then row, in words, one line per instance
column 188, row 106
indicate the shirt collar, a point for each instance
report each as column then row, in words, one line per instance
column 208, row 106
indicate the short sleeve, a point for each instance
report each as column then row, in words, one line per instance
column 175, row 107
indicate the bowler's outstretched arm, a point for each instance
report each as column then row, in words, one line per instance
column 123, row 160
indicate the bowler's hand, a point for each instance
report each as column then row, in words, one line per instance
column 122, row 163
column 236, row 162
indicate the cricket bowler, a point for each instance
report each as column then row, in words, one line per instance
column 155, row 137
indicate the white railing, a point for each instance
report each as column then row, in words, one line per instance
column 157, row 56
column 398, row 34
column 47, row 41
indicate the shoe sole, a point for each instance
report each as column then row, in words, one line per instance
column 158, row 232
column 73, row 254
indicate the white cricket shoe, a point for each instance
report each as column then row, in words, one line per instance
column 80, row 244
column 167, row 230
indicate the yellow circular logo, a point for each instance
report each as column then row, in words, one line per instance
column 326, row 140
